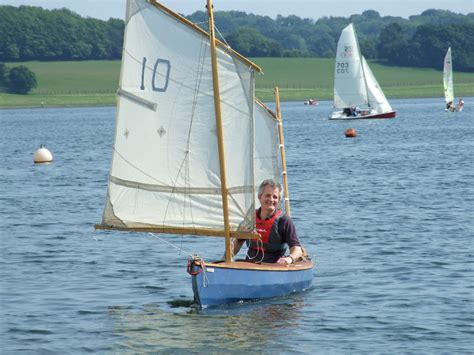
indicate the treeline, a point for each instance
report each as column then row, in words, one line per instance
column 420, row 41
column 31, row 33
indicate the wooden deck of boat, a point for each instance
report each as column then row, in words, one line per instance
column 245, row 265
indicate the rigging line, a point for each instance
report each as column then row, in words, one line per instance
column 134, row 166
column 221, row 35
column 185, row 162
column 172, row 245
column 199, row 72
column 205, row 280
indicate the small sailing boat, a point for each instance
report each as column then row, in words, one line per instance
column 357, row 93
column 448, row 82
column 311, row 102
column 191, row 147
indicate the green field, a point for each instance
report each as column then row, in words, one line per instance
column 90, row 83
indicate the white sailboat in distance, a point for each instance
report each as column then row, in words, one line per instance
column 448, row 84
column 357, row 94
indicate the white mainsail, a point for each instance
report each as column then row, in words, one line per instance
column 349, row 83
column 165, row 168
column 448, row 77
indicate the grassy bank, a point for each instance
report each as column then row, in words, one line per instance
column 92, row 83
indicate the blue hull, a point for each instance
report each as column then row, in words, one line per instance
column 220, row 284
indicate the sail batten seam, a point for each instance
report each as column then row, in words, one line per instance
column 180, row 190
column 137, row 99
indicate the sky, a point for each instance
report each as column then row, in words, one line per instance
column 314, row 9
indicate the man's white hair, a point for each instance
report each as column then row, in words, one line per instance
column 268, row 182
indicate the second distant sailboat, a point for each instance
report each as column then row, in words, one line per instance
column 448, row 85
column 357, row 93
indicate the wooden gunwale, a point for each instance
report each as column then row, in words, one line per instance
column 245, row 265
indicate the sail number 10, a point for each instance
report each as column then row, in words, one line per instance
column 342, row 67
column 159, row 82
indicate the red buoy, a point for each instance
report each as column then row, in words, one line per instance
column 350, row 133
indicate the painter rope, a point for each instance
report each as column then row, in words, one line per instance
column 205, row 280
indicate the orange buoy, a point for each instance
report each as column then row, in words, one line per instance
column 350, row 133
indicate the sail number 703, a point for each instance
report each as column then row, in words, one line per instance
column 342, row 67
column 159, row 82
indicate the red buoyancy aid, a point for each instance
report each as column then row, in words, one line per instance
column 268, row 229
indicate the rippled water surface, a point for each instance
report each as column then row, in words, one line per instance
column 388, row 217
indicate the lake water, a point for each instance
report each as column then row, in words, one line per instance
column 388, row 217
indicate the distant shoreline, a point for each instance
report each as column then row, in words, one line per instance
column 94, row 83
column 265, row 101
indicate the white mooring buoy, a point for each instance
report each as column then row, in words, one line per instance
column 42, row 155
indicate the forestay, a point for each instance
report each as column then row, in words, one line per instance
column 165, row 166
column 448, row 77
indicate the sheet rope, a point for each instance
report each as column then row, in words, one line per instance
column 180, row 249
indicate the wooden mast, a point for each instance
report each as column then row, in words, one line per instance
column 220, row 132
column 282, row 151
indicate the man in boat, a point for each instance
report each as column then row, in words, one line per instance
column 460, row 105
column 450, row 106
column 275, row 228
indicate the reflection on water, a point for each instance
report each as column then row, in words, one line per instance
column 240, row 327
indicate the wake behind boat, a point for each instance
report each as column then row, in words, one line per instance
column 357, row 94
column 188, row 156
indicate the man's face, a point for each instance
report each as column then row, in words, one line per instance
column 269, row 199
